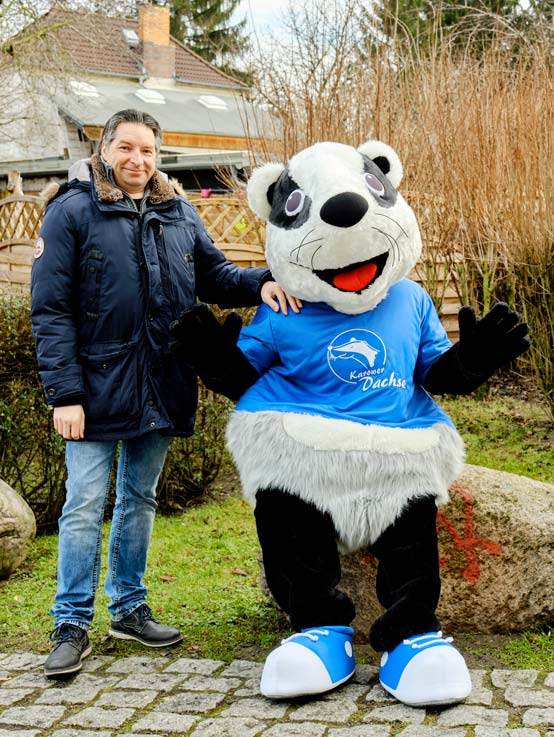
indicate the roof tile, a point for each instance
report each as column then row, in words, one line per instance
column 95, row 43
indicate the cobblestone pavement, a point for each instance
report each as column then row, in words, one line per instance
column 167, row 696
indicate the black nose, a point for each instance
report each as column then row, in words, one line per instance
column 344, row 210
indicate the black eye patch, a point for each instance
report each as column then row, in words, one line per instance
column 290, row 205
column 377, row 183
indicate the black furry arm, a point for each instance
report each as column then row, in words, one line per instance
column 210, row 347
column 484, row 346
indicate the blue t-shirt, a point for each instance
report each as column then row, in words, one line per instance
column 365, row 368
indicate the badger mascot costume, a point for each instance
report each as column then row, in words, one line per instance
column 337, row 440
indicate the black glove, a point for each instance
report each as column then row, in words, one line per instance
column 201, row 339
column 491, row 342
column 210, row 347
column 484, row 345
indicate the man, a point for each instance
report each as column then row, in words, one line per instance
column 119, row 257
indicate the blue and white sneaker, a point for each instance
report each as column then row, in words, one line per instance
column 312, row 661
column 425, row 670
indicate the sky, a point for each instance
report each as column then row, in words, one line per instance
column 260, row 14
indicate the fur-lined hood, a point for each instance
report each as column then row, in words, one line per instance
column 160, row 189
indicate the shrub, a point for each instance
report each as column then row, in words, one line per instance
column 31, row 452
column 535, row 283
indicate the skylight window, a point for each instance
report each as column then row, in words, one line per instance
column 130, row 36
column 213, row 102
column 83, row 89
column 152, row 96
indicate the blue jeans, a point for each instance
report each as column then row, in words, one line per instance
column 89, row 465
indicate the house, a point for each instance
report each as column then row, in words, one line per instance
column 113, row 63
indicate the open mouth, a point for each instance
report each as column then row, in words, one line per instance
column 355, row 277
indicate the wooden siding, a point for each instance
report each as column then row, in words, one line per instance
column 191, row 140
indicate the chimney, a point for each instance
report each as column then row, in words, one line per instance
column 158, row 54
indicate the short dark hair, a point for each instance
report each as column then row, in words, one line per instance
column 131, row 116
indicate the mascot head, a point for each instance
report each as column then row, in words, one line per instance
column 337, row 229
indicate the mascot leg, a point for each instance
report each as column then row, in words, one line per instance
column 302, row 570
column 419, row 667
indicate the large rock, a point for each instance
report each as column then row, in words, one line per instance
column 17, row 529
column 496, row 539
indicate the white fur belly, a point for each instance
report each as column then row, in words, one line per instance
column 363, row 476
column 322, row 433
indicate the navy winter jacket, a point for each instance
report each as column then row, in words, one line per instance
column 105, row 289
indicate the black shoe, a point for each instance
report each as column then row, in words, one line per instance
column 141, row 626
column 72, row 645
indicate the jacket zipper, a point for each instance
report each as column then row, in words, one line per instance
column 171, row 286
column 140, row 252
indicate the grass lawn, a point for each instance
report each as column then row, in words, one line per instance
column 506, row 433
column 202, row 577
column 203, row 566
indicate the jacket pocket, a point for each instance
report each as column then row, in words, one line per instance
column 110, row 372
column 91, row 279
column 179, row 255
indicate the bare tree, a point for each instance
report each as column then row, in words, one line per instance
column 34, row 67
column 312, row 79
column 31, row 64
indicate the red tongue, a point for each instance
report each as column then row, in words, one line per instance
column 357, row 279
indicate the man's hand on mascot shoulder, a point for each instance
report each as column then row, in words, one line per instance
column 276, row 298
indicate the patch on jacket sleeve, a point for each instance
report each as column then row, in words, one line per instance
column 39, row 247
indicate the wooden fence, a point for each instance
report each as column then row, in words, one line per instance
column 20, row 218
column 235, row 230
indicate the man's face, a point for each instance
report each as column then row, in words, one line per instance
column 132, row 156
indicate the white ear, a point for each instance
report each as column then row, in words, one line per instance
column 386, row 159
column 258, row 186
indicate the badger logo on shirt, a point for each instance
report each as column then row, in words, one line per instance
column 355, row 355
